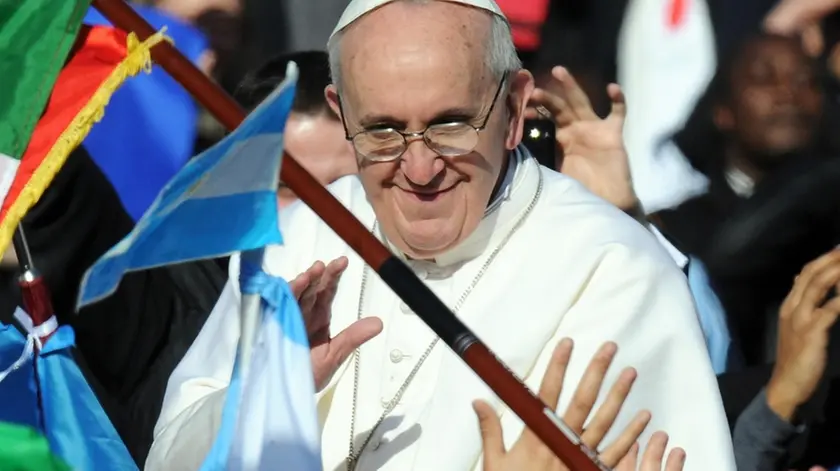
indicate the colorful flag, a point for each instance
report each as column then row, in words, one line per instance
column 269, row 415
column 223, row 201
column 35, row 38
column 54, row 397
column 51, row 101
column 155, row 114
column 24, row 449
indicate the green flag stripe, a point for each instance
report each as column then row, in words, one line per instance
column 24, row 449
column 35, row 38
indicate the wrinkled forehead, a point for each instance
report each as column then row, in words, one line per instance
column 412, row 61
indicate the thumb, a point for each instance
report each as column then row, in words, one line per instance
column 491, row 433
column 351, row 338
column 619, row 102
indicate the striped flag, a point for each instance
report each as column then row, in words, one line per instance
column 22, row 448
column 223, row 201
column 55, row 399
column 48, row 103
column 269, row 415
column 35, row 38
column 155, row 114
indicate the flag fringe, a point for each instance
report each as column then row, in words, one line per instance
column 138, row 58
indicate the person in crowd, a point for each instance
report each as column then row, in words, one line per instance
column 314, row 133
column 765, row 436
column 768, row 107
column 444, row 183
column 765, row 430
column 813, row 23
column 529, row 453
column 755, row 258
column 129, row 343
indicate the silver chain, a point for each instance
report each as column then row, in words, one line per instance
column 353, row 455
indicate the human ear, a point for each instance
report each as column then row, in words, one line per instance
column 521, row 88
column 331, row 94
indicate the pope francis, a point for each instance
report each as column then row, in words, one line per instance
column 433, row 98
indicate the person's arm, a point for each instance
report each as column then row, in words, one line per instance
column 765, row 429
column 640, row 300
column 761, row 437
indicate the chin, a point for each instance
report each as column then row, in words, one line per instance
column 426, row 239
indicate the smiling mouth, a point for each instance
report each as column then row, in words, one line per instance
column 428, row 196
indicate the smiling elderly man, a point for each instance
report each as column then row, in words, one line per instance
column 433, row 98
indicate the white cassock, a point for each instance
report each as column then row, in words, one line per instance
column 571, row 266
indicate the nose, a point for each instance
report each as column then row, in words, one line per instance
column 419, row 164
column 785, row 92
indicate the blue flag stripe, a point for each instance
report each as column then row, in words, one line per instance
column 223, row 201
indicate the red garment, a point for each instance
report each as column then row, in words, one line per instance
column 526, row 17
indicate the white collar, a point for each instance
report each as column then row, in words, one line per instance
column 512, row 200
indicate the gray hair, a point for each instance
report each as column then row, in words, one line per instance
column 501, row 55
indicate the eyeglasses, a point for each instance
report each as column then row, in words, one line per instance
column 452, row 139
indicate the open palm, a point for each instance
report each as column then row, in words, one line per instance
column 315, row 290
column 591, row 148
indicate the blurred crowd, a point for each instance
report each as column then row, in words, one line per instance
column 732, row 134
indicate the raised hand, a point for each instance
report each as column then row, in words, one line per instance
column 592, row 148
column 315, row 290
column 805, row 319
column 531, row 454
column 653, row 456
column 794, row 16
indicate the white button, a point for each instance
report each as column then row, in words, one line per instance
column 421, row 273
column 396, row 356
column 405, row 309
column 384, row 403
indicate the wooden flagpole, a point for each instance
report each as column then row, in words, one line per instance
column 538, row 417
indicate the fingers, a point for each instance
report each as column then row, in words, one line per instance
column 628, row 462
column 829, row 314
column 302, row 281
column 590, row 385
column 329, row 284
column 652, row 457
column 813, row 296
column 351, row 338
column 803, row 281
column 625, row 442
column 558, row 109
column 676, row 460
column 619, row 102
column 310, row 281
column 606, row 414
column 574, row 94
column 491, row 432
column 552, row 382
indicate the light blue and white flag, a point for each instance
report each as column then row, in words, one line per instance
column 221, row 202
column 269, row 419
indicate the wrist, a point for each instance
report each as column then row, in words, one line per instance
column 784, row 405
